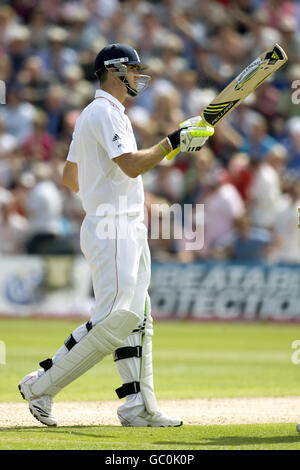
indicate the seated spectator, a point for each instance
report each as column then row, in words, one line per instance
column 168, row 182
column 81, row 30
column 5, row 198
column 240, row 174
column 17, row 114
column 39, row 144
column 8, row 20
column 167, row 112
column 265, row 192
column 244, row 243
column 159, row 84
column 34, row 80
column 14, row 229
column 79, row 92
column 258, row 143
column 202, row 164
column 223, row 205
column 44, row 212
column 55, row 106
column 162, row 223
column 57, row 56
column 292, row 144
column 18, row 46
column 285, row 228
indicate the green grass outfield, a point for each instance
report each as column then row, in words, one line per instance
column 242, row 437
column 191, row 360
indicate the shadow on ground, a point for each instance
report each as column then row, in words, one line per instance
column 237, row 441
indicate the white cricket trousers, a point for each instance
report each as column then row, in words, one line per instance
column 120, row 264
column 116, row 248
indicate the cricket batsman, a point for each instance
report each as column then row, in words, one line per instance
column 104, row 166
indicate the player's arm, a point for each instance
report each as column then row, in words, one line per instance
column 70, row 176
column 188, row 138
column 136, row 163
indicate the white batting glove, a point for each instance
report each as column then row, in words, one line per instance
column 193, row 138
column 198, row 135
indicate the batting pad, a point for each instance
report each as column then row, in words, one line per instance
column 101, row 340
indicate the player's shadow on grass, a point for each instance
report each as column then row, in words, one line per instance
column 237, row 441
column 61, row 430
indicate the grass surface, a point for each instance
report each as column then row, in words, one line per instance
column 254, row 437
column 190, row 360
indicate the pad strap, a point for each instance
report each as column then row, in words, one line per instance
column 46, row 364
column 127, row 351
column 71, row 341
column 128, row 389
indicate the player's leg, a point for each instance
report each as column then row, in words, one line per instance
column 134, row 359
column 89, row 343
column 41, row 407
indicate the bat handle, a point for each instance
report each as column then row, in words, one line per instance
column 173, row 153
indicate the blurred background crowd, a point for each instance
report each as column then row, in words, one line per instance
column 247, row 176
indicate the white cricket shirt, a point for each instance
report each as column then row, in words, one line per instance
column 103, row 132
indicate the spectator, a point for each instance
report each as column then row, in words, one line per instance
column 55, row 106
column 240, row 174
column 223, row 205
column 167, row 111
column 17, row 114
column 292, row 145
column 265, row 192
column 197, row 176
column 58, row 55
column 8, row 20
column 8, row 144
column 81, row 31
column 39, row 144
column 14, row 229
column 78, row 92
column 163, row 245
column 34, row 80
column 19, row 48
column 168, row 182
column 244, row 243
column 43, row 210
column 259, row 142
column 285, row 229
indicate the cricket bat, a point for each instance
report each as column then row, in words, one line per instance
column 247, row 81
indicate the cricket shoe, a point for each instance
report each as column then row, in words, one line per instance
column 157, row 420
column 39, row 407
column 298, row 428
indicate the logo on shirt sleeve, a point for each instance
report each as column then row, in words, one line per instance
column 115, row 138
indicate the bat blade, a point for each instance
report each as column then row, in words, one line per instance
column 247, row 81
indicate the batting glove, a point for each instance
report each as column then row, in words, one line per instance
column 191, row 135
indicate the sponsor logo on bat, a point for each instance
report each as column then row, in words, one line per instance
column 214, row 112
column 248, row 73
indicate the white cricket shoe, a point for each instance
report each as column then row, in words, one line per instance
column 40, row 407
column 156, row 420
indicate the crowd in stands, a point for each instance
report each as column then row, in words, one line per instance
column 248, row 174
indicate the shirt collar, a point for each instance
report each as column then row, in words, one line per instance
column 103, row 94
